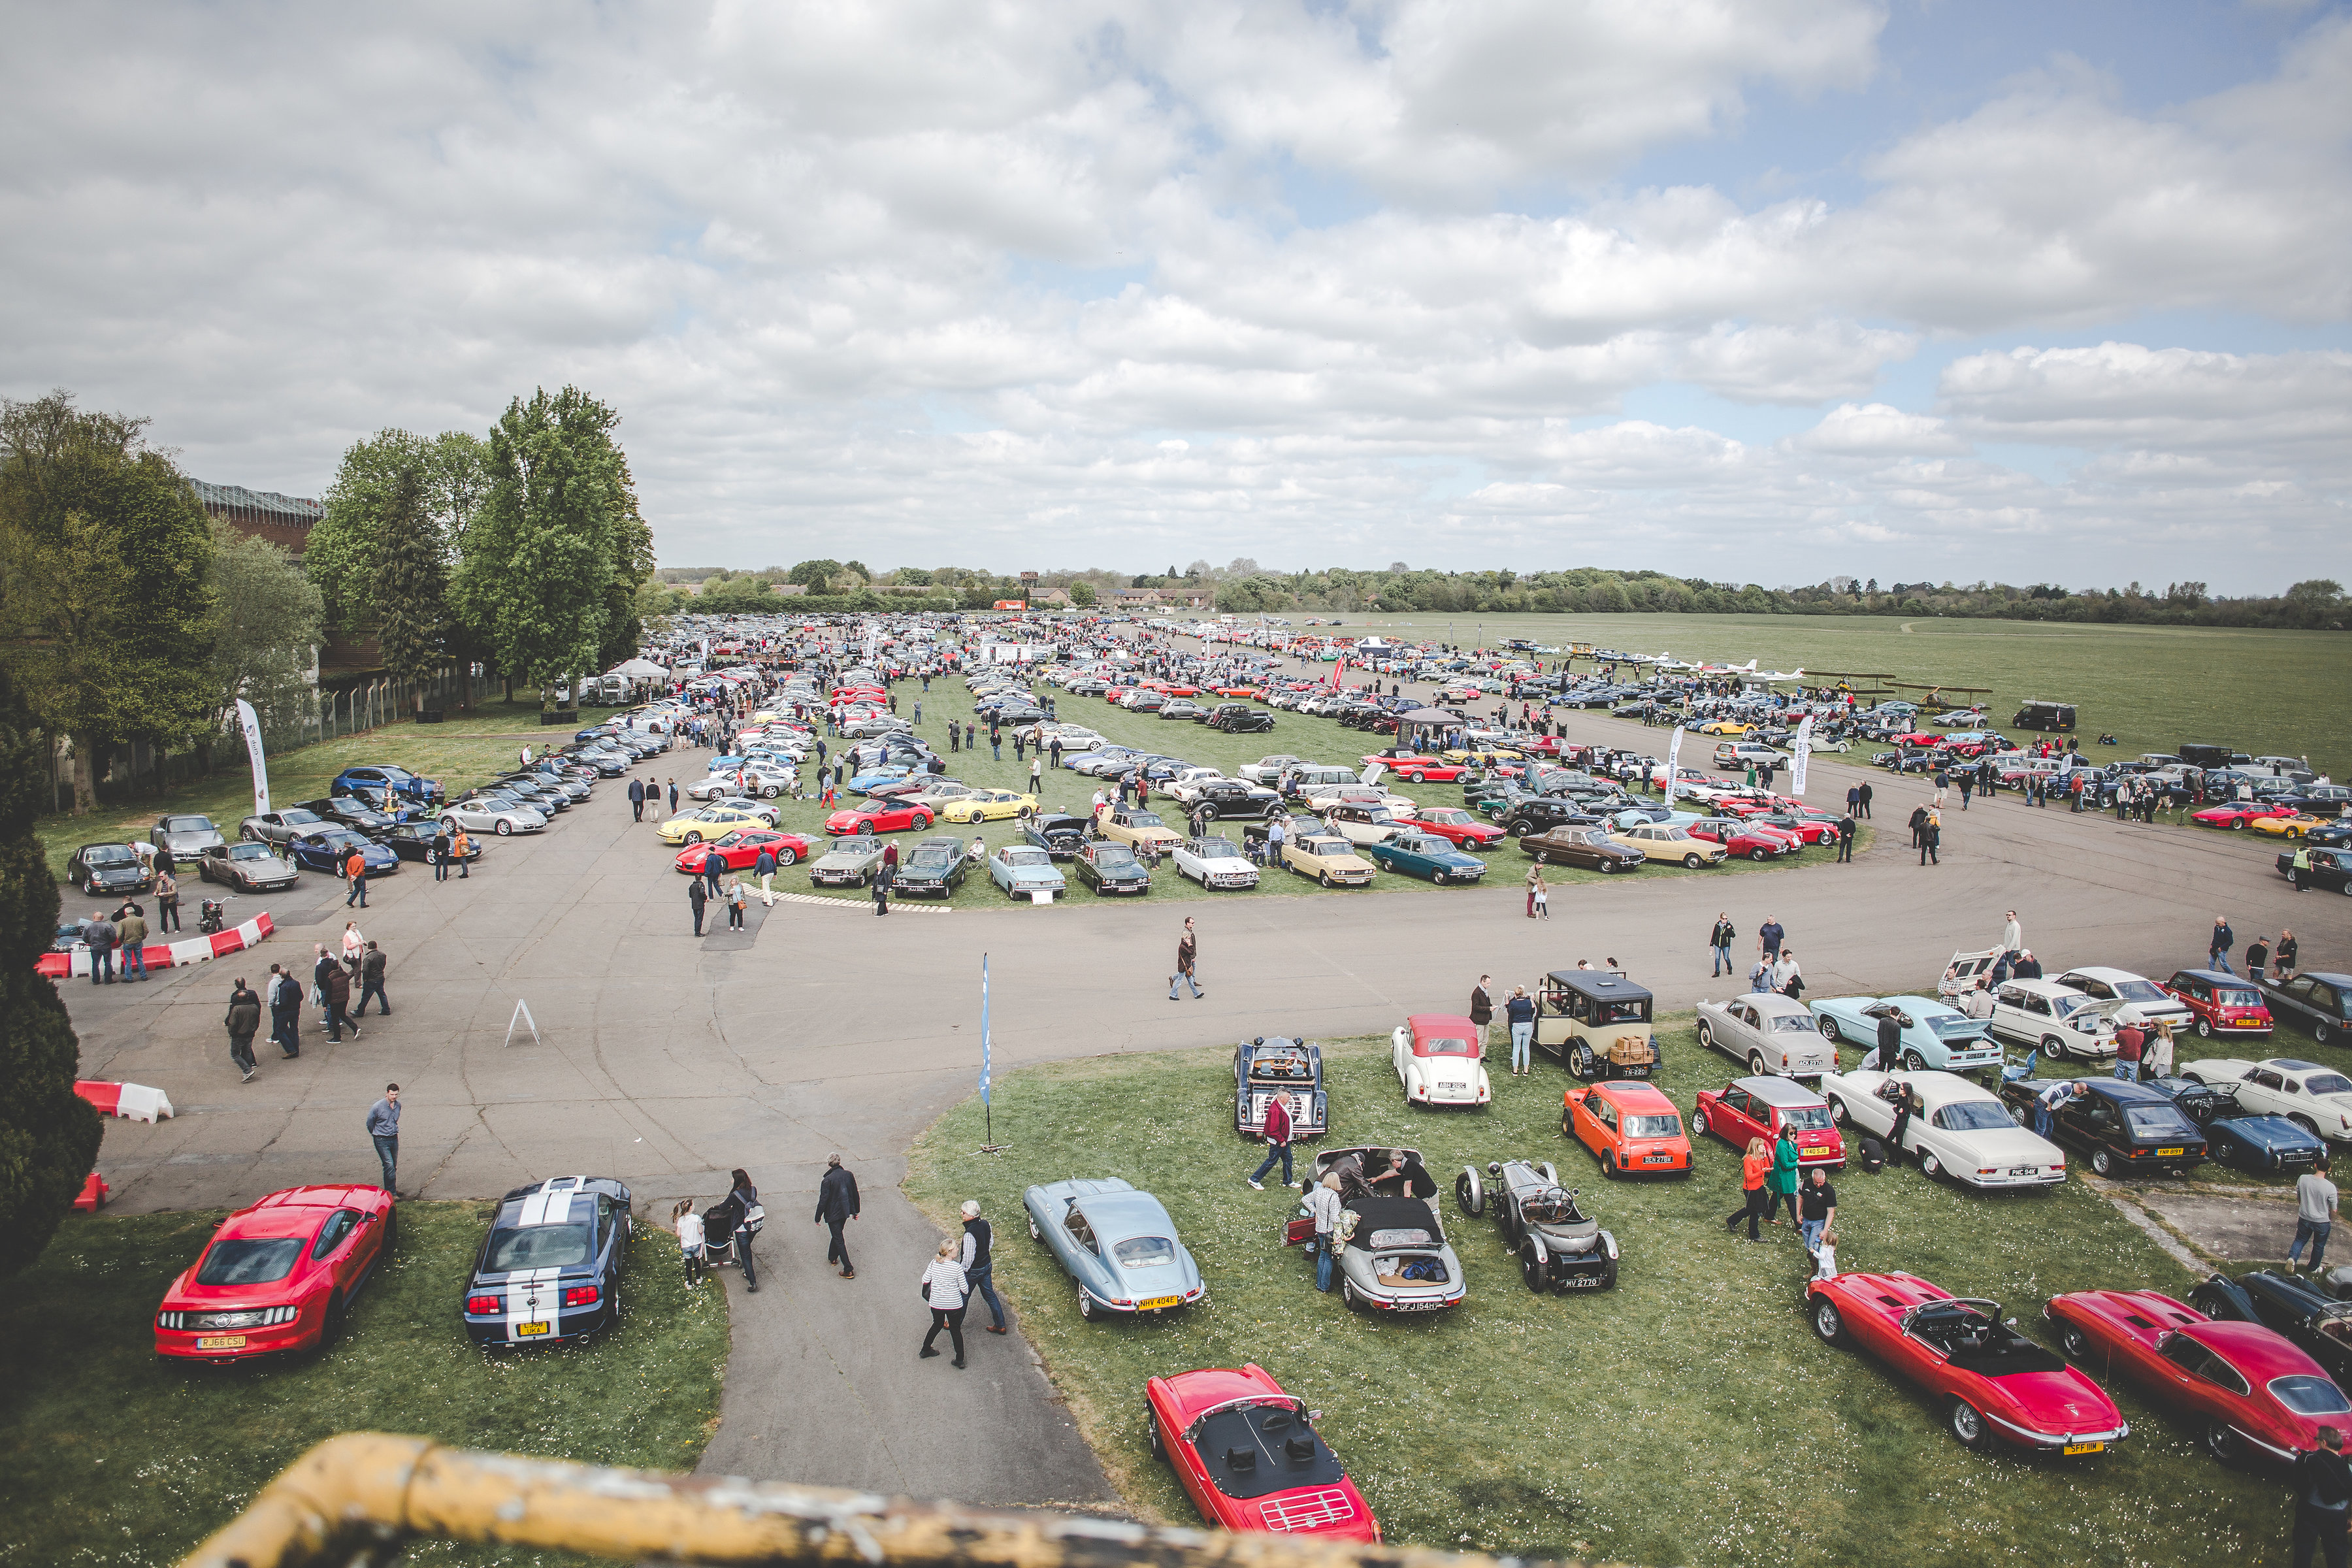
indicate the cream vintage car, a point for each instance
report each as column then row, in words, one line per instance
column 1662, row 841
column 1361, row 824
column 1138, row 829
column 1331, row 860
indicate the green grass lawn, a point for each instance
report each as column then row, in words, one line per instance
column 109, row 1456
column 2151, row 686
column 470, row 748
column 1689, row 1415
column 1319, row 739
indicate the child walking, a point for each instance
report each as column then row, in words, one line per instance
column 687, row 1220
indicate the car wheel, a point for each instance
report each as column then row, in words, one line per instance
column 1759, row 854
column 1608, row 1170
column 1534, row 1267
column 1837, row 1113
column 1830, row 1030
column 1706, row 1034
column 922, row 820
column 1931, row 1166
column 2102, row 1162
column 1520, row 829
column 1354, row 1302
column 2321, row 1034
column 1698, row 1121
column 2204, row 1027
column 1034, row 1234
column 865, row 830
column 1690, row 862
column 769, row 793
column 1152, row 1433
column 2073, row 1342
column 1828, row 1321
column 2192, row 1078
column 1967, row 1424
column 249, row 835
column 1324, row 880
column 1437, row 879
column 1914, row 1062
column 787, row 855
column 2052, row 1047
column 2309, row 1126
column 334, row 1323
column 1086, row 1305
column 506, row 828
column 2221, row 1441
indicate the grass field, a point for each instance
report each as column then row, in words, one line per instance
column 1320, row 740
column 108, row 1456
column 2151, row 686
column 1689, row 1415
column 470, row 748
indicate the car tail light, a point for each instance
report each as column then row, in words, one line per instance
column 171, row 1319
column 582, row 1296
column 484, row 1304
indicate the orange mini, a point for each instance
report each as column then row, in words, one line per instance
column 1633, row 1128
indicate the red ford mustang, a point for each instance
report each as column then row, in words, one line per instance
column 740, row 850
column 2246, row 1387
column 1992, row 1381
column 1250, row 1455
column 879, row 816
column 277, row 1275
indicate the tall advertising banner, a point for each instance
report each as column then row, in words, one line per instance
column 253, row 751
column 1799, row 754
column 1674, row 765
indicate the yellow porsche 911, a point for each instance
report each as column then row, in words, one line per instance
column 716, row 820
column 988, row 805
column 1725, row 727
column 1479, row 754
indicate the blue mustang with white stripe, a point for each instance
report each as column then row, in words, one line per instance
column 550, row 1270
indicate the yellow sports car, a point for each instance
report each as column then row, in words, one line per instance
column 1658, row 841
column 1724, row 727
column 2293, row 826
column 1500, row 754
column 716, row 820
column 1331, row 860
column 988, row 805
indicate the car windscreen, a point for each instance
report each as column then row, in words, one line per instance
column 1620, row 1011
column 1144, row 1251
column 1974, row 1116
column 2326, row 1083
column 1218, row 849
column 1446, row 1046
column 1957, row 1028
column 297, row 817
column 108, row 855
column 340, row 838
column 1805, row 1118
column 2308, row 1395
column 1110, row 856
column 255, row 1262
column 2233, row 997
column 248, row 852
column 931, row 860
column 2139, row 991
column 1144, row 819
column 1652, row 1126
column 188, row 824
column 1792, row 1023
column 537, row 1246
column 1027, row 857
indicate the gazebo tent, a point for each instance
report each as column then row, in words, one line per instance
column 1416, row 722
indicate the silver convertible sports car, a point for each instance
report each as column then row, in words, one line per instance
column 1395, row 1257
column 1119, row 1244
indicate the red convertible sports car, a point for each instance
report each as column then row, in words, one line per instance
column 1456, row 825
column 740, row 850
column 277, row 1275
column 1754, row 840
column 1992, row 1381
column 1417, row 767
column 1250, row 1456
column 879, row 817
column 2247, row 1387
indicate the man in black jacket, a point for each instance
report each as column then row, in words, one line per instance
column 978, row 1263
column 637, row 800
column 836, row 1205
column 696, row 896
column 1889, row 1049
column 371, row 982
column 2323, row 1499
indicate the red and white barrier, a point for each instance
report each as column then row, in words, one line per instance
column 165, row 955
column 132, row 1102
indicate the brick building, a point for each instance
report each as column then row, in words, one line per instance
column 286, row 522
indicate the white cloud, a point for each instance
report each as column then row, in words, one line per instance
column 1878, row 430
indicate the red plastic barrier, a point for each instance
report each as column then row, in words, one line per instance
column 107, row 1096
column 94, row 1194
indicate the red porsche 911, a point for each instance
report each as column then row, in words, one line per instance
column 277, row 1275
column 2248, row 1389
column 740, row 850
column 1992, row 1381
column 1250, row 1456
column 879, row 817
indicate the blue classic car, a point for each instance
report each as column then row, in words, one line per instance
column 2236, row 1136
column 1022, row 869
column 1411, row 853
column 1118, row 1244
column 888, row 773
column 1271, row 1065
column 329, row 848
column 1936, row 1035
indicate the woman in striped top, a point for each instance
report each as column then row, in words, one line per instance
column 944, row 1287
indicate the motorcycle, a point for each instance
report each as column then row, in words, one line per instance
column 215, row 919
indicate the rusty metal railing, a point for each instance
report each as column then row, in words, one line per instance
column 359, row 1499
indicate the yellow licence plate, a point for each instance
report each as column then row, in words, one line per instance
column 1156, row 1302
column 2085, row 1448
column 220, row 1342
column 534, row 1327
column 2169, row 1153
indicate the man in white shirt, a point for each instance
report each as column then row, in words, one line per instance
column 2012, row 935
column 2314, row 1215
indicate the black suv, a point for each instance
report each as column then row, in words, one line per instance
column 1542, row 813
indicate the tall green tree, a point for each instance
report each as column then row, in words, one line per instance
column 632, row 565
column 105, row 593
column 49, row 1134
column 413, row 612
column 267, row 618
column 541, row 559
column 383, row 552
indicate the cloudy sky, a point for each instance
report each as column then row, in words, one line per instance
column 1751, row 289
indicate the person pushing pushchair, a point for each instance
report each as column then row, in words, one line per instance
column 728, row 1226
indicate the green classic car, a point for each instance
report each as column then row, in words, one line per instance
column 1411, row 853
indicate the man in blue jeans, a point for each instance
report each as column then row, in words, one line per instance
column 1323, row 1204
column 2314, row 1215
column 1521, row 1013
column 1719, row 940
column 978, row 1260
column 384, row 1127
column 2217, row 954
column 1277, row 1141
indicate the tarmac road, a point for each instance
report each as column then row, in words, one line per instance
column 666, row 1060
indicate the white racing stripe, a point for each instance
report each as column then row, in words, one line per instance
column 522, row 1286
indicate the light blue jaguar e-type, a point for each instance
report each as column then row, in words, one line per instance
column 1119, row 1244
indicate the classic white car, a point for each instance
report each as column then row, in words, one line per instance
column 1360, row 825
column 1437, row 1059
column 1186, row 785
column 1266, row 770
column 2116, row 989
column 2316, row 1098
column 1961, row 1130
column 1771, row 1033
column 1214, row 862
column 1324, row 797
column 2057, row 1020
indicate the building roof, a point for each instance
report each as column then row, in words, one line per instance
column 301, row 508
